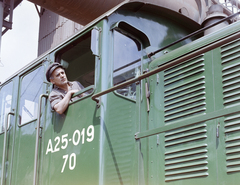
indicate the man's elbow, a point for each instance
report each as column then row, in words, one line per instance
column 59, row 109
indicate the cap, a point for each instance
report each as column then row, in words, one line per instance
column 50, row 70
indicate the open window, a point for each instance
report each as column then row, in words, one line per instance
column 78, row 59
column 128, row 43
column 5, row 103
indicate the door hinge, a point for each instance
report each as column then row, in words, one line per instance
column 218, row 125
column 147, row 96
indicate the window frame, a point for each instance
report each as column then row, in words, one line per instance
column 21, row 78
column 141, row 40
column 139, row 60
column 11, row 106
column 94, row 52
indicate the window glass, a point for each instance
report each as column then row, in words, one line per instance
column 127, row 62
column 31, row 89
column 5, row 103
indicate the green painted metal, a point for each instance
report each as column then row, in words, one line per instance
column 36, row 160
column 189, row 121
column 182, row 126
column 71, row 145
column 189, row 118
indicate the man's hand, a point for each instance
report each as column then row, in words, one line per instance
column 72, row 92
column 61, row 106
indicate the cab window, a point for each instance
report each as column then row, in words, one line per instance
column 78, row 60
column 31, row 89
column 5, row 103
column 127, row 62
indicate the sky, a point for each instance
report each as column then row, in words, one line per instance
column 19, row 45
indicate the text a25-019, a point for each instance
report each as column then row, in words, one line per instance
column 62, row 142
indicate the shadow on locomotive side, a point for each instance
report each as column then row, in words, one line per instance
column 151, row 114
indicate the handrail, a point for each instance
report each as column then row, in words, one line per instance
column 170, row 63
column 193, row 34
column 4, row 145
column 37, row 137
column 84, row 90
column 189, row 121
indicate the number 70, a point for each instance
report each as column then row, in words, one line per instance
column 71, row 161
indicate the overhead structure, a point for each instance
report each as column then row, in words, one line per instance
column 6, row 14
column 84, row 11
column 80, row 11
column 229, row 6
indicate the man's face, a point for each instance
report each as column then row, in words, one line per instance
column 59, row 77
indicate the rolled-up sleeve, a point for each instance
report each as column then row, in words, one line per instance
column 55, row 98
column 58, row 94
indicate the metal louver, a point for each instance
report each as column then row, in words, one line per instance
column 184, row 94
column 186, row 153
column 232, row 141
column 231, row 73
column 231, row 97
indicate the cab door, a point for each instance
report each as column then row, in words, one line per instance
column 7, row 129
column 122, row 152
column 31, row 86
column 70, row 152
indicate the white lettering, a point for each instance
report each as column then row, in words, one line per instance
column 49, row 147
column 83, row 135
column 56, row 148
column 90, row 134
column 72, row 161
column 61, row 142
column 64, row 140
column 75, row 142
column 64, row 163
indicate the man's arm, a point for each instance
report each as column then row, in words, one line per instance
column 61, row 106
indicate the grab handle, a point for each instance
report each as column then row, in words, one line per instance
column 37, row 137
column 4, row 145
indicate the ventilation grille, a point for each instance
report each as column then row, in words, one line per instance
column 232, row 133
column 186, row 153
column 231, row 73
column 184, row 94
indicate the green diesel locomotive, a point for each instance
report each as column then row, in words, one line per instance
column 161, row 105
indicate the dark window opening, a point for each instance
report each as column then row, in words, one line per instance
column 78, row 60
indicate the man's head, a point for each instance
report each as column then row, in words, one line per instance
column 56, row 74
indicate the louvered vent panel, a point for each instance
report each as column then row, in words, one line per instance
column 231, row 73
column 186, row 153
column 232, row 135
column 184, row 93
